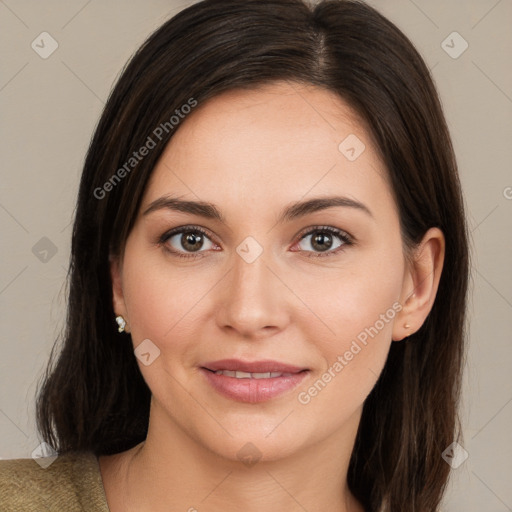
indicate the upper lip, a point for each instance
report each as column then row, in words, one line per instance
column 263, row 366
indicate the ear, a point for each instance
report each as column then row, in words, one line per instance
column 421, row 281
column 117, row 290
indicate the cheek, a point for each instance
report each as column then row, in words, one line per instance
column 359, row 308
column 358, row 297
column 165, row 300
column 159, row 301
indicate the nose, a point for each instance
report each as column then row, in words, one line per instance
column 254, row 301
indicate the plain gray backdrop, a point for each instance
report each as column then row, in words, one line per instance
column 49, row 109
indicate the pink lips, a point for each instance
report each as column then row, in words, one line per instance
column 254, row 367
column 253, row 390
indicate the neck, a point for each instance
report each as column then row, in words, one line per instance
column 172, row 470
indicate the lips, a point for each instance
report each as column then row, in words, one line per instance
column 252, row 382
column 265, row 366
column 253, row 375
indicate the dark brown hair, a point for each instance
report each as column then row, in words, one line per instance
column 94, row 398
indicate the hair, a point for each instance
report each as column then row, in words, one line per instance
column 93, row 396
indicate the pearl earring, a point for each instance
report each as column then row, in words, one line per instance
column 407, row 326
column 121, row 322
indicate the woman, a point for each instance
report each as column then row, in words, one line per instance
column 268, row 276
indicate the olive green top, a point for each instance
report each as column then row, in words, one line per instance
column 71, row 483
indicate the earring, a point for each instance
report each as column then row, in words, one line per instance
column 407, row 326
column 121, row 322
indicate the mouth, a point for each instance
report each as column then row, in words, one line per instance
column 252, row 367
column 252, row 382
column 251, row 375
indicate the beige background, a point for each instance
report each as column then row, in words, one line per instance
column 50, row 108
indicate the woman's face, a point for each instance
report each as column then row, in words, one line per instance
column 319, row 288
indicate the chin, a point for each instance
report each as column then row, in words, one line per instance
column 249, row 444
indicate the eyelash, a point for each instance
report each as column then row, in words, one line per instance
column 342, row 235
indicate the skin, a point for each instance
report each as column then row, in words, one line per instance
column 252, row 153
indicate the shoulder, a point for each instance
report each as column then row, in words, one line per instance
column 72, row 482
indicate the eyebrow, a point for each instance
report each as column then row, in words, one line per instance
column 290, row 212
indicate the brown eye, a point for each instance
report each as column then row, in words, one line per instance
column 185, row 241
column 324, row 240
column 191, row 241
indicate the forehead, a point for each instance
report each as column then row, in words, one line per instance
column 275, row 143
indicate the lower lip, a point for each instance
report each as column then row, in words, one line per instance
column 253, row 390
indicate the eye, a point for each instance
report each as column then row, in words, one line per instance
column 323, row 240
column 186, row 240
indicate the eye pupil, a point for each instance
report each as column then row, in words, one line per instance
column 191, row 241
column 319, row 241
